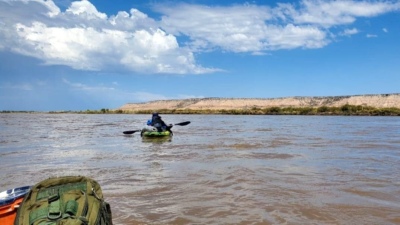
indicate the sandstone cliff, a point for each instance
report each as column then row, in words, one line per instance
column 377, row 101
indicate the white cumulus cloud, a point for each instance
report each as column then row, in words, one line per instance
column 84, row 38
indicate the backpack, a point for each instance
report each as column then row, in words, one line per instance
column 69, row 200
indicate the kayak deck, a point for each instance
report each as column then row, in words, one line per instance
column 156, row 134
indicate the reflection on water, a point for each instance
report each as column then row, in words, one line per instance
column 157, row 140
column 218, row 169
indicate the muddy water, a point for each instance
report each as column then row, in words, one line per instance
column 218, row 169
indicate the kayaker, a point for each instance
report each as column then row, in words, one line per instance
column 158, row 123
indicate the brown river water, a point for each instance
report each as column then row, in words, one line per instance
column 219, row 169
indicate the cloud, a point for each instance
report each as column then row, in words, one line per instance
column 87, row 88
column 349, row 32
column 84, row 38
column 20, row 86
column 331, row 13
column 257, row 29
column 86, row 10
column 371, row 36
column 240, row 28
column 92, row 49
column 385, row 30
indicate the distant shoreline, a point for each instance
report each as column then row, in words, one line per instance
column 359, row 105
column 346, row 110
column 376, row 101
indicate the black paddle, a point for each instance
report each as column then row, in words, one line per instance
column 177, row 124
column 130, row 131
column 182, row 123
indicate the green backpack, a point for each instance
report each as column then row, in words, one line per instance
column 70, row 200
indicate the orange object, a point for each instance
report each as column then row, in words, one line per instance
column 10, row 200
column 9, row 212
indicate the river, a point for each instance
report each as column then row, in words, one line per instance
column 219, row 169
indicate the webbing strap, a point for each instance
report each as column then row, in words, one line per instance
column 47, row 192
column 51, row 212
column 71, row 208
column 47, row 223
column 35, row 215
column 54, row 210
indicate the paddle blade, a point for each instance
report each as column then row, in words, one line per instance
column 183, row 123
column 130, row 131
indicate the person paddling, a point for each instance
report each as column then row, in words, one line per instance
column 158, row 123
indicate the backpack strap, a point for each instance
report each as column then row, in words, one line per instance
column 54, row 207
column 69, row 200
column 71, row 208
column 52, row 211
column 38, row 214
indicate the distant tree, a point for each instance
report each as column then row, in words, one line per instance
column 322, row 109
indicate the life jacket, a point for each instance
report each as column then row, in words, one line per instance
column 157, row 120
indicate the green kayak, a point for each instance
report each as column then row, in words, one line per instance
column 156, row 134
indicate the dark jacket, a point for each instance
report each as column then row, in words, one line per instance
column 158, row 123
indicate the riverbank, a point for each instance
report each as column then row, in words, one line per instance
column 376, row 101
column 357, row 105
column 384, row 104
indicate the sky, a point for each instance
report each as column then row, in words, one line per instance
column 88, row 55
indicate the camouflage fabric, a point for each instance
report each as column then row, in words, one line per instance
column 69, row 200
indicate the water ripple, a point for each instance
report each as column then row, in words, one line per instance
column 219, row 169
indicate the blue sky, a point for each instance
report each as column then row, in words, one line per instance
column 79, row 55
